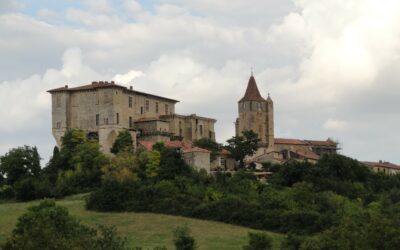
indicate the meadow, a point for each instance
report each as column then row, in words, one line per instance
column 142, row 229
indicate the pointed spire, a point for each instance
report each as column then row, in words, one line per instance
column 252, row 92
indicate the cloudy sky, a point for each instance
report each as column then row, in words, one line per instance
column 332, row 67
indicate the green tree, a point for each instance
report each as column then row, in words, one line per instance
column 47, row 226
column 258, row 241
column 153, row 163
column 208, row 144
column 242, row 146
column 123, row 142
column 20, row 163
column 183, row 240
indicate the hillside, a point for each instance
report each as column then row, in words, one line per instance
column 142, row 229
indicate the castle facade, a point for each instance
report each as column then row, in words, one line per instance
column 102, row 109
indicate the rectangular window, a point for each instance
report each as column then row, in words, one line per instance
column 141, row 110
column 106, row 121
column 97, row 120
column 201, row 129
column 166, row 109
column 157, row 107
column 147, row 105
column 117, row 118
column 130, row 101
column 130, row 122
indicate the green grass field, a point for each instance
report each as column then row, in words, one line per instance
column 143, row 229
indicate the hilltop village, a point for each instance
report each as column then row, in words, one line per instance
column 103, row 109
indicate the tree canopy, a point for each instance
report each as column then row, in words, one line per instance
column 20, row 163
column 243, row 145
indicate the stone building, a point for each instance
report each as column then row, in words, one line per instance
column 383, row 167
column 257, row 113
column 102, row 109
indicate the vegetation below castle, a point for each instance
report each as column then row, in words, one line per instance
column 337, row 203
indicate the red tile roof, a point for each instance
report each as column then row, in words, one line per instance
column 381, row 164
column 307, row 154
column 289, row 141
column 252, row 92
column 148, row 145
column 97, row 85
column 196, row 149
column 327, row 143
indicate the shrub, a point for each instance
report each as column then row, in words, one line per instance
column 47, row 226
column 258, row 241
column 183, row 240
column 6, row 192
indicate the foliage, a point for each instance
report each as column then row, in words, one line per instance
column 242, row 146
column 122, row 167
column 258, row 241
column 47, row 226
column 123, row 142
column 183, row 240
column 208, row 144
column 20, row 163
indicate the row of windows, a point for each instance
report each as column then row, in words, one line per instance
column 147, row 106
column 105, row 120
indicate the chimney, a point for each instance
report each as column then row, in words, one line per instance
column 101, row 82
column 66, row 86
column 94, row 83
column 106, row 82
column 112, row 82
column 130, row 88
column 380, row 161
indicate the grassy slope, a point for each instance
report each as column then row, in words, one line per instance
column 143, row 229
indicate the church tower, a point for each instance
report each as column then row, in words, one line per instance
column 257, row 114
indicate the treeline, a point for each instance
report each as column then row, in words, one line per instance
column 335, row 204
column 76, row 168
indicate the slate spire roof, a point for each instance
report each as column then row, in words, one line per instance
column 252, row 92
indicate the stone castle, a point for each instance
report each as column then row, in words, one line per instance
column 102, row 109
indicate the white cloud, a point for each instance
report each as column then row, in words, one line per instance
column 128, row 77
column 10, row 6
column 334, row 124
column 320, row 60
column 98, row 5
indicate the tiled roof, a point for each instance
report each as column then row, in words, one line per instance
column 327, row 143
column 224, row 152
column 252, row 92
column 148, row 145
column 307, row 154
column 381, row 164
column 196, row 149
column 289, row 141
column 97, row 85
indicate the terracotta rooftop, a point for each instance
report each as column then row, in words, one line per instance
column 97, row 85
column 196, row 149
column 327, row 143
column 252, row 92
column 289, row 141
column 307, row 154
column 185, row 145
column 381, row 164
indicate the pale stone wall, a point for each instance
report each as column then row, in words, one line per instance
column 191, row 127
column 257, row 116
column 198, row 160
column 106, row 110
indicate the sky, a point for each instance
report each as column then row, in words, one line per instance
column 332, row 67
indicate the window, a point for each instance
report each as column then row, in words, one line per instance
column 117, row 118
column 201, row 129
column 130, row 122
column 97, row 120
column 180, row 128
column 130, row 101
column 166, row 109
column 58, row 101
column 106, row 121
column 157, row 107
column 141, row 110
column 147, row 106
